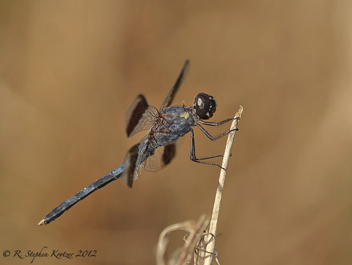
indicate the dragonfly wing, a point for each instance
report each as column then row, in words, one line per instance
column 128, row 175
column 134, row 161
column 140, row 116
column 137, row 157
column 162, row 157
column 170, row 97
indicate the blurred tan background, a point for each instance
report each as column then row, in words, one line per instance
column 69, row 71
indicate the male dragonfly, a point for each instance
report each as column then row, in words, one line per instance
column 157, row 148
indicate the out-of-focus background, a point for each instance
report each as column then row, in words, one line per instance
column 69, row 71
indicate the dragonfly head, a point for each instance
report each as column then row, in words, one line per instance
column 205, row 106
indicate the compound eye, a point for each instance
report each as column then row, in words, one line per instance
column 205, row 106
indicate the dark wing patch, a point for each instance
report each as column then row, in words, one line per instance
column 169, row 153
column 162, row 156
column 129, row 166
column 170, row 97
column 140, row 116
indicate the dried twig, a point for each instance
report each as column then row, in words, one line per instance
column 210, row 238
column 184, row 254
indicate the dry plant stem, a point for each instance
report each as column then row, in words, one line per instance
column 216, row 208
column 182, row 255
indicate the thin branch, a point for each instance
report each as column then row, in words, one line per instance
column 210, row 248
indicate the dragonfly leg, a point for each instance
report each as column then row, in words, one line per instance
column 212, row 137
column 215, row 123
column 200, row 160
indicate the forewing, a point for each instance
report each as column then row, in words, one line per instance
column 170, row 97
column 162, row 157
column 140, row 116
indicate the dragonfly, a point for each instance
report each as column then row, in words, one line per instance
column 158, row 148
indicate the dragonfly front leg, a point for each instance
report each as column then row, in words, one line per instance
column 200, row 160
column 212, row 137
column 215, row 123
